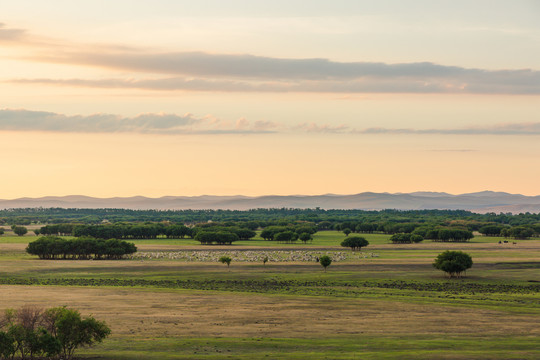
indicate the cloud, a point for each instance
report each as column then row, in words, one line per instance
column 149, row 123
column 454, row 150
column 464, row 82
column 163, row 123
column 325, row 128
column 8, row 35
column 203, row 71
column 531, row 128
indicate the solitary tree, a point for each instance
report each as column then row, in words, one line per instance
column 355, row 242
column 347, row 231
column 325, row 261
column 454, row 263
column 225, row 260
column 20, row 230
column 265, row 260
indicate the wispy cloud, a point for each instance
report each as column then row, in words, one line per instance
column 531, row 128
column 148, row 123
column 454, row 150
column 325, row 128
column 163, row 123
column 202, row 71
column 236, row 73
column 8, row 35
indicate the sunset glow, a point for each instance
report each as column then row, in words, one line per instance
column 181, row 98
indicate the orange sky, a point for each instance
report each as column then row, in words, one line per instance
column 187, row 99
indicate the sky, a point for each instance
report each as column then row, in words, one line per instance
column 172, row 97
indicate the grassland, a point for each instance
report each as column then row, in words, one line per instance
column 391, row 306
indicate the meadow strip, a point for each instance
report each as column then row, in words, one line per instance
column 284, row 285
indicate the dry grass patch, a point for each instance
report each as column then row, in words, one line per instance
column 214, row 314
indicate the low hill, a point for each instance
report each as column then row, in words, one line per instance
column 482, row 202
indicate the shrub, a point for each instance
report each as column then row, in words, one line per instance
column 454, row 263
column 325, row 261
column 225, row 260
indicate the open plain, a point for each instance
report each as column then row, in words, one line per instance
column 386, row 302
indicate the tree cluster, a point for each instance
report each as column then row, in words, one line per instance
column 53, row 247
column 209, row 237
column 242, row 232
column 444, row 234
column 289, row 233
column 405, row 238
column 56, row 229
column 34, row 333
column 520, row 232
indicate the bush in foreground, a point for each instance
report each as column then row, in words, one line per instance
column 35, row 333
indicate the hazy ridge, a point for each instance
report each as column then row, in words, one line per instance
column 485, row 201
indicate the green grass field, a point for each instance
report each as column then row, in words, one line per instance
column 393, row 305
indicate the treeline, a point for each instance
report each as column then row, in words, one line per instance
column 96, row 216
column 286, row 232
column 54, row 248
column 118, row 231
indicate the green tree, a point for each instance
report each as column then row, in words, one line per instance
column 72, row 331
column 225, row 260
column 286, row 236
column 454, row 263
column 265, row 260
column 521, row 232
column 20, row 230
column 305, row 237
column 2, row 231
column 347, row 231
column 325, row 261
column 7, row 345
column 355, row 242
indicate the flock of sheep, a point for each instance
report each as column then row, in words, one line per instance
column 251, row 256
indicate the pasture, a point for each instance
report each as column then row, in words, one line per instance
column 173, row 300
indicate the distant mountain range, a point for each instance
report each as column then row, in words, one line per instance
column 482, row 202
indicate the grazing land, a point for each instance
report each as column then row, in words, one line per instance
column 174, row 300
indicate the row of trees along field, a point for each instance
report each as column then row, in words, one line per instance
column 433, row 224
column 206, row 233
column 265, row 217
column 289, row 233
column 53, row 247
